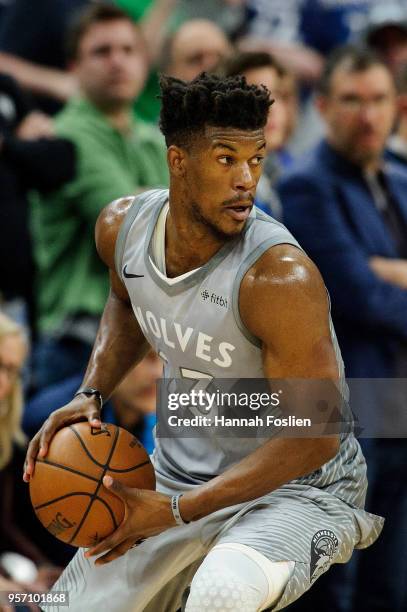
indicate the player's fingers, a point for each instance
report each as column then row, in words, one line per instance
column 30, row 457
column 116, row 538
column 94, row 417
column 116, row 552
column 118, row 488
column 54, row 422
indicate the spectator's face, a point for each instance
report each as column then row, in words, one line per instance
column 111, row 64
column 359, row 112
column 12, row 355
column 219, row 171
column 276, row 127
column 197, row 47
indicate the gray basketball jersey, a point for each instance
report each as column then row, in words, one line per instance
column 195, row 326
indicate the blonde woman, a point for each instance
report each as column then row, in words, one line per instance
column 13, row 352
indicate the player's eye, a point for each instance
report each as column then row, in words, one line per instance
column 256, row 161
column 225, row 160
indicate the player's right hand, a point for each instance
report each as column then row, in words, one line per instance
column 81, row 408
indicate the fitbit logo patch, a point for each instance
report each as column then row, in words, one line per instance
column 213, row 298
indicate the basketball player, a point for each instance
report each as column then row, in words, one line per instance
column 246, row 524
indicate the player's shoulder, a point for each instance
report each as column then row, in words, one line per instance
column 108, row 226
column 283, row 268
column 282, row 281
column 112, row 218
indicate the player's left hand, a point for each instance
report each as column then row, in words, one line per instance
column 147, row 513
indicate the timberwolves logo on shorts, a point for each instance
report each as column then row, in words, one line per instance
column 324, row 547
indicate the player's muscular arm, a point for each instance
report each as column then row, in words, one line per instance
column 119, row 344
column 284, row 303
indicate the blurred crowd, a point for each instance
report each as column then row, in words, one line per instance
column 79, row 85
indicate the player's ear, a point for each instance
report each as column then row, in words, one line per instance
column 176, row 157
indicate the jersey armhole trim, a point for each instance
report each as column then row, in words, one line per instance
column 280, row 238
column 131, row 215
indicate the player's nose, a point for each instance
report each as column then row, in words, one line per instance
column 244, row 179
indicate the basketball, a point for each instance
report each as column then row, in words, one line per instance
column 67, row 492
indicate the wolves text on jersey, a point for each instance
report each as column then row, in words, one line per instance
column 175, row 336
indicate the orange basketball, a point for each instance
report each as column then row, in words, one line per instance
column 67, row 492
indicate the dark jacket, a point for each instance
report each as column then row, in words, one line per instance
column 44, row 164
column 328, row 207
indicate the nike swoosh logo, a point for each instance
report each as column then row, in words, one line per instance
column 128, row 275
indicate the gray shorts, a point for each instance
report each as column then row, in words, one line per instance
column 296, row 523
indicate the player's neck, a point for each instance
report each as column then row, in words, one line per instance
column 188, row 245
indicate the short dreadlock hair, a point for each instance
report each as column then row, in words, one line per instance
column 210, row 100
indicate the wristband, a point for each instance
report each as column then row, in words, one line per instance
column 89, row 391
column 175, row 510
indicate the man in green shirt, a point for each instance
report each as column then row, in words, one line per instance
column 115, row 157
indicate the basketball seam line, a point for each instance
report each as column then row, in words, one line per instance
column 51, row 501
column 105, row 468
column 84, row 447
column 69, row 469
column 97, row 498
column 103, row 465
column 130, row 469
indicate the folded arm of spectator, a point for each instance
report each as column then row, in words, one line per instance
column 154, row 26
column 305, row 63
column 52, row 82
column 390, row 270
column 358, row 292
column 44, row 164
column 35, row 125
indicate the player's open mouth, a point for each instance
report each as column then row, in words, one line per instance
column 239, row 212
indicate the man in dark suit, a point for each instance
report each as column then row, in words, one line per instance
column 397, row 143
column 348, row 209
